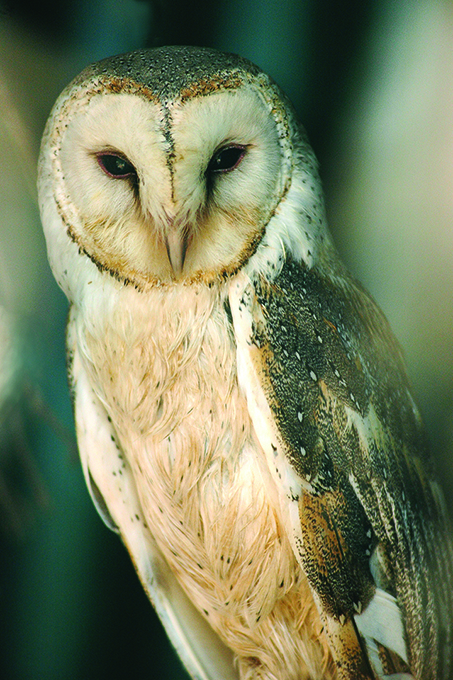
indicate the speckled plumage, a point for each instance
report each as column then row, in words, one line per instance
column 243, row 415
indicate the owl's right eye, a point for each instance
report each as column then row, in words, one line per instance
column 115, row 166
column 227, row 158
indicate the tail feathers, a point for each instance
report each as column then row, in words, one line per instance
column 381, row 626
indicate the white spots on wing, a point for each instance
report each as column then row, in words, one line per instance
column 303, row 294
column 337, row 373
column 303, row 451
column 320, row 340
column 357, row 607
column 298, row 356
column 313, row 375
column 300, row 416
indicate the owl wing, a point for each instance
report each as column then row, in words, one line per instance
column 112, row 487
column 328, row 396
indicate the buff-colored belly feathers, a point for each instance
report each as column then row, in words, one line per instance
column 170, row 387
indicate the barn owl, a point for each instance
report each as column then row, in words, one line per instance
column 243, row 414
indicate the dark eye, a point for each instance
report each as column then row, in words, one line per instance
column 227, row 159
column 115, row 166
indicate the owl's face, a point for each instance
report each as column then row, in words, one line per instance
column 158, row 186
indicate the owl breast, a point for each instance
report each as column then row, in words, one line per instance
column 165, row 367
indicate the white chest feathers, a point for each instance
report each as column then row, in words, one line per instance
column 166, row 374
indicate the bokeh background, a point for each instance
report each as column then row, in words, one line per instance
column 373, row 84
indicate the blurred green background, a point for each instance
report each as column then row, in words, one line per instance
column 372, row 83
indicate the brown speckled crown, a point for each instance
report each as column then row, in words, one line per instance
column 169, row 71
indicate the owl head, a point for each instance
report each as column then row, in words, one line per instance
column 175, row 165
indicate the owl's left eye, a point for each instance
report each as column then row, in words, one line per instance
column 115, row 166
column 227, row 158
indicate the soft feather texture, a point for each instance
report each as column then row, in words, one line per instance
column 169, row 385
column 122, row 224
column 243, row 417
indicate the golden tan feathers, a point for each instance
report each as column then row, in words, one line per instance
column 170, row 386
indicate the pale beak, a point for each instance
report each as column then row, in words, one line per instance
column 176, row 244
